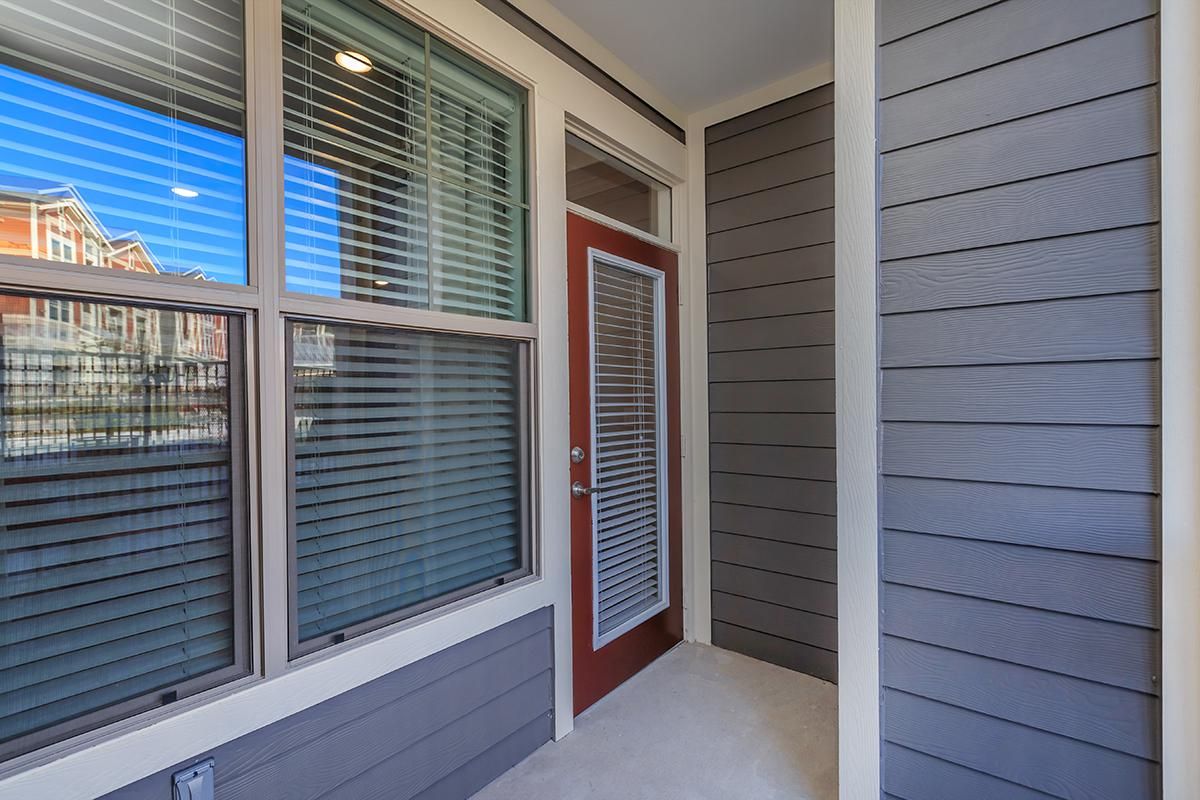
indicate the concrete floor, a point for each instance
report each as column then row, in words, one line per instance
column 698, row 723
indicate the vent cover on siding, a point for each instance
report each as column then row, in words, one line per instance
column 629, row 513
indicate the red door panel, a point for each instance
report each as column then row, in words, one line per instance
column 598, row 672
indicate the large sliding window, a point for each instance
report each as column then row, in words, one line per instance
column 144, row 324
column 404, row 187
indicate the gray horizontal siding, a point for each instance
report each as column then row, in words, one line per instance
column 1102, row 262
column 1020, row 400
column 772, row 269
column 1047, row 762
column 1015, row 28
column 1086, row 521
column 899, row 19
column 768, row 114
column 442, row 728
column 914, row 774
column 1114, row 61
column 1095, row 650
column 785, row 651
column 803, row 163
column 771, row 395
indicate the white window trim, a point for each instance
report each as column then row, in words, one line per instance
column 617, row 225
column 662, row 452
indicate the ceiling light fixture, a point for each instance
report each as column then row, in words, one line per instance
column 182, row 192
column 381, row 283
column 355, row 62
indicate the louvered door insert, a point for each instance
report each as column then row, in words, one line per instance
column 629, row 513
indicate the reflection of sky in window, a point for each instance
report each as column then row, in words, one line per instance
column 313, row 235
column 123, row 161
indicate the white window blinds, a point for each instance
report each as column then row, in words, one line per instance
column 629, row 512
column 120, row 473
column 407, row 472
column 404, row 166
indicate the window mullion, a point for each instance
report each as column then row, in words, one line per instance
column 264, row 93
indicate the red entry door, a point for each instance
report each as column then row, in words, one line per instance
column 626, row 529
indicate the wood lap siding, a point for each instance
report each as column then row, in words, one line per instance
column 771, row 393
column 1019, row 277
column 439, row 729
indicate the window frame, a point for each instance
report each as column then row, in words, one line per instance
column 166, row 697
column 661, row 191
column 305, row 303
column 298, row 649
column 285, row 652
column 264, row 305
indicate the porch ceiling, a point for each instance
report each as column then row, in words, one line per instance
column 700, row 52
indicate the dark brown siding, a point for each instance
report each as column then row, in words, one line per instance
column 1020, row 402
column 770, row 342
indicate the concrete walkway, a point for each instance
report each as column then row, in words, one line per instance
column 699, row 723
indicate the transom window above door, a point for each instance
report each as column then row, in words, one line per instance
column 605, row 185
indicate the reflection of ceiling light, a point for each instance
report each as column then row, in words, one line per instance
column 182, row 192
column 381, row 283
column 355, row 62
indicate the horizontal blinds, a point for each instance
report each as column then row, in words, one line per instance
column 478, row 254
column 121, row 134
column 476, row 119
column 407, row 474
column 118, row 523
column 355, row 208
column 627, row 520
column 403, row 181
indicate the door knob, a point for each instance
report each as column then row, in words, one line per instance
column 579, row 490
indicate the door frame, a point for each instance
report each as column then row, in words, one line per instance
column 596, row 672
column 662, row 447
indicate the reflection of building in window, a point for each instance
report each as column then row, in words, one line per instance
column 55, row 222
column 58, row 310
column 61, row 250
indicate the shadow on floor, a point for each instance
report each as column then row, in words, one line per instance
column 698, row 723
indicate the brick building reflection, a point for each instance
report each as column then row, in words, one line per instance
column 94, row 376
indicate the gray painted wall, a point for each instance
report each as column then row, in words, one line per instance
column 439, row 729
column 770, row 341
column 1020, row 408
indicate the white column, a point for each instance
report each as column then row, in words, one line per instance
column 856, row 308
column 1180, row 75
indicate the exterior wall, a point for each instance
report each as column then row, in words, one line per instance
column 126, row 752
column 1019, row 276
column 438, row 729
column 769, row 200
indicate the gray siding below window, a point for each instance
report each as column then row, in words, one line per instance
column 1019, row 409
column 771, row 392
column 439, row 729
